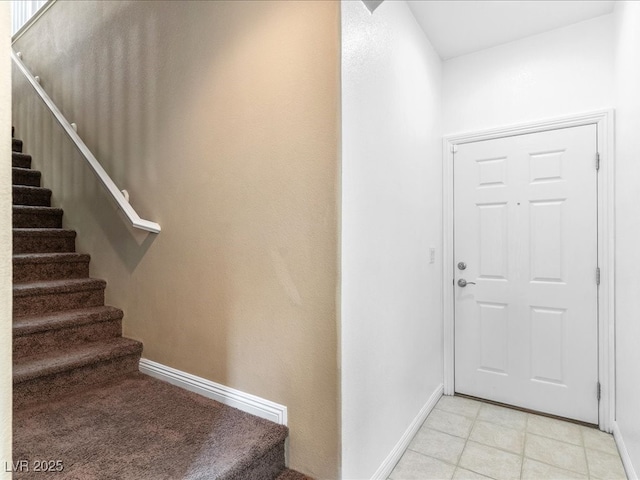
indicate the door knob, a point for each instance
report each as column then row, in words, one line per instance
column 462, row 265
column 463, row 283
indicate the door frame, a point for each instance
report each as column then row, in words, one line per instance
column 604, row 120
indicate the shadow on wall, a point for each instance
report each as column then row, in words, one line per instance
column 124, row 117
column 66, row 172
column 372, row 4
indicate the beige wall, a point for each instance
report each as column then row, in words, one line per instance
column 221, row 119
column 5, row 243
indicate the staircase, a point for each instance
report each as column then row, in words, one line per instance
column 65, row 339
column 77, row 394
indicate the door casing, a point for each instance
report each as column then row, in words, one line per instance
column 603, row 119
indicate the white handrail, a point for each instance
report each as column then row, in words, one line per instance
column 103, row 176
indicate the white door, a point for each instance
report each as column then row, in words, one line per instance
column 525, row 220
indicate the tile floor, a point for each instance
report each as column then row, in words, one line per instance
column 465, row 439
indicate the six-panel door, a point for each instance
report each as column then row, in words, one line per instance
column 525, row 220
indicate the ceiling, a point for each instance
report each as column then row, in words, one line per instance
column 459, row 27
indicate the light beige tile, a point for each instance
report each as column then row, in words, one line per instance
column 605, row 466
column 594, row 439
column 498, row 436
column 438, row 445
column 506, row 417
column 450, row 423
column 463, row 474
column 553, row 452
column 556, row 429
column 532, row 470
column 460, row 405
column 415, row 466
column 490, row 461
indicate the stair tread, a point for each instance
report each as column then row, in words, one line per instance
column 53, row 257
column 19, row 159
column 57, row 286
column 193, row 436
column 41, row 240
column 25, row 176
column 63, row 319
column 49, row 363
column 29, row 188
column 26, row 170
column 288, row 474
column 36, row 209
column 31, row 195
column 44, row 232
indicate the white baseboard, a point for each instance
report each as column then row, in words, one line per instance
column 234, row 398
column 624, row 453
column 394, row 456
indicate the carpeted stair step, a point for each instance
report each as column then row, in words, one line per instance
column 34, row 240
column 20, row 160
column 55, row 331
column 51, row 375
column 25, row 176
column 145, row 429
column 288, row 474
column 16, row 145
column 44, row 297
column 33, row 196
column 36, row 267
column 36, row 217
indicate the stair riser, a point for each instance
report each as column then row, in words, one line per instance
column 33, row 272
column 34, row 198
column 45, row 389
column 20, row 160
column 266, row 467
column 45, row 303
column 52, row 340
column 29, row 244
column 37, row 220
column 16, row 145
column 30, row 178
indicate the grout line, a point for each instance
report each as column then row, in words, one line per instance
column 455, row 466
column 430, row 456
column 555, row 439
column 557, row 467
column 524, row 442
column 584, row 451
column 466, row 441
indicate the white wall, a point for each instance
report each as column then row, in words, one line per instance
column 561, row 72
column 5, row 242
column 391, row 215
column 627, row 15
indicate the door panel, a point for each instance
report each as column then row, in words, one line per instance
column 525, row 223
